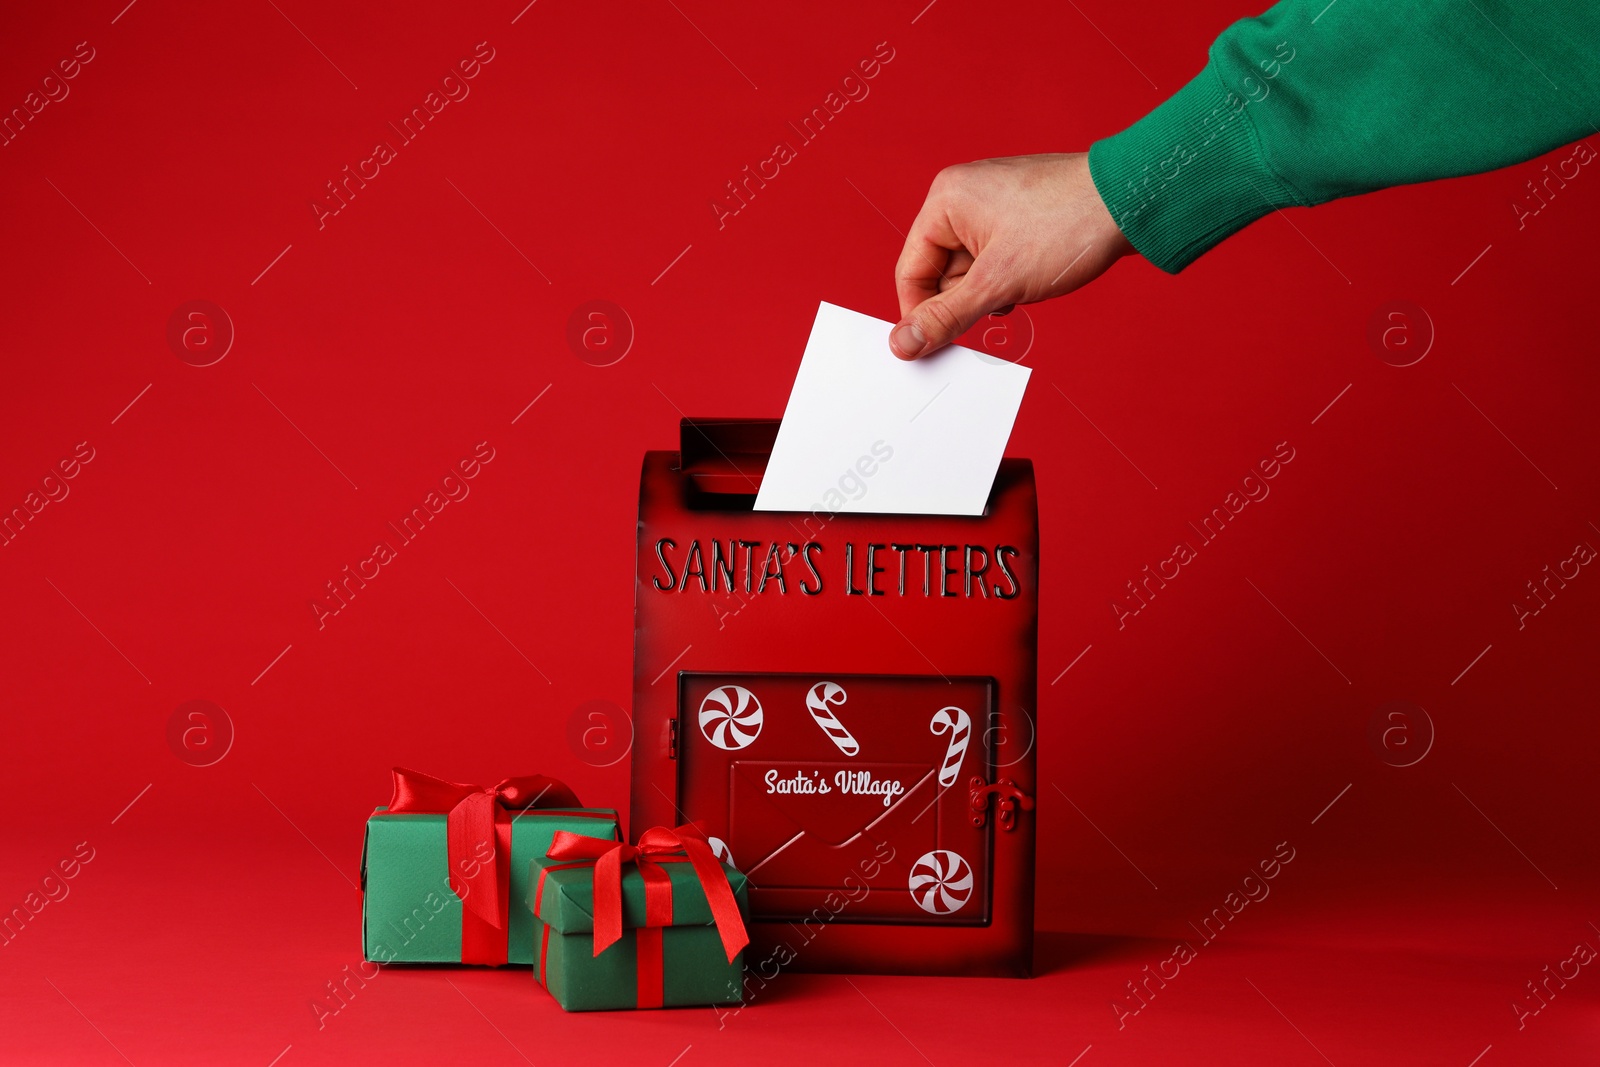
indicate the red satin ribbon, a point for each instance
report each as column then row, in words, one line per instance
column 478, row 840
column 656, row 846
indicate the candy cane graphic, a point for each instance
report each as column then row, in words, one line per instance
column 818, row 700
column 954, row 722
column 730, row 717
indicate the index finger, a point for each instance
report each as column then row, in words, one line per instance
column 924, row 258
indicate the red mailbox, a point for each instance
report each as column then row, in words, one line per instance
column 845, row 703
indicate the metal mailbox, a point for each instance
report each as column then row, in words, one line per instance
column 845, row 703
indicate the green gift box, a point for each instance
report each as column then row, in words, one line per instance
column 409, row 912
column 673, row 965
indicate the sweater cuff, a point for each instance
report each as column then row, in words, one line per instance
column 1187, row 175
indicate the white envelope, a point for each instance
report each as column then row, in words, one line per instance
column 865, row 432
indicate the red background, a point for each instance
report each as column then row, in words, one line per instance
column 379, row 350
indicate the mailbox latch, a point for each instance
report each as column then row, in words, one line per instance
column 1008, row 798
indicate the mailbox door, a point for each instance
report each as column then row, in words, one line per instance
column 849, row 793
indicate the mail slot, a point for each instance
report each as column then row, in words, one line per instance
column 844, row 701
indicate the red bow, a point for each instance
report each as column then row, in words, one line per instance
column 655, row 846
column 478, row 840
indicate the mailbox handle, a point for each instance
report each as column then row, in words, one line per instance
column 1008, row 798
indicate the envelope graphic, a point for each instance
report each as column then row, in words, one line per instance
column 810, row 840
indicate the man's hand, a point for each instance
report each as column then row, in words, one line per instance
column 996, row 233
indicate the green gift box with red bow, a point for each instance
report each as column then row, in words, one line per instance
column 444, row 869
column 652, row 925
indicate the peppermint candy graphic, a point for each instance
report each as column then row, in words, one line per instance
column 720, row 850
column 822, row 695
column 941, row 882
column 958, row 725
column 730, row 717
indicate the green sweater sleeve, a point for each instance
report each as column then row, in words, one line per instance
column 1314, row 100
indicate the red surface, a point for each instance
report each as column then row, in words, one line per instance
column 1223, row 719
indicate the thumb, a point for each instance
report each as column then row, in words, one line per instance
column 940, row 319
